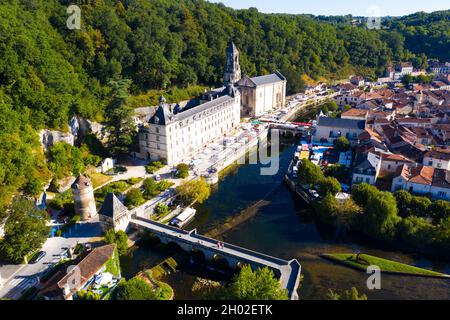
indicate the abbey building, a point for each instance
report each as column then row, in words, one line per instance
column 175, row 134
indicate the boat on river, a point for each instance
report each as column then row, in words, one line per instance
column 183, row 218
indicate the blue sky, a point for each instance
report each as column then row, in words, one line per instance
column 341, row 7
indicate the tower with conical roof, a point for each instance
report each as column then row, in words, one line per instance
column 232, row 68
column 83, row 195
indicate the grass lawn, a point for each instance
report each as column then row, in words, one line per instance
column 99, row 179
column 385, row 265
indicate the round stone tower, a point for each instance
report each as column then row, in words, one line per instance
column 83, row 195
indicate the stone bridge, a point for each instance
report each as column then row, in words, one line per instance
column 288, row 271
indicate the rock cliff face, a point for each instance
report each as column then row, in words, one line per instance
column 49, row 138
column 77, row 127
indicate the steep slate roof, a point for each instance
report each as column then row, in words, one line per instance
column 341, row 123
column 163, row 116
column 112, row 206
column 262, row 80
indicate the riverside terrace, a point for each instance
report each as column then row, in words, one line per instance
column 288, row 271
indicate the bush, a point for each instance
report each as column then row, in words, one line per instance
column 162, row 209
column 309, row 173
column 342, row 144
column 182, row 171
column 153, row 188
column 87, row 295
column 361, row 193
column 416, row 232
column 197, row 190
column 380, row 216
column 330, row 186
column 256, row 285
column 153, row 167
column 135, row 289
column 134, row 198
column 120, row 238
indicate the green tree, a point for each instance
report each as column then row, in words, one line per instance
column 380, row 216
column 182, row 171
column 342, row 144
column 134, row 198
column 407, row 79
column 362, row 193
column 120, row 238
column 65, row 160
column 135, row 289
column 309, row 173
column 329, row 185
column 150, row 188
column 416, row 231
column 87, row 295
column 419, row 206
column 403, row 199
column 120, row 125
column 256, row 285
column 162, row 209
column 195, row 190
column 25, row 231
column 439, row 210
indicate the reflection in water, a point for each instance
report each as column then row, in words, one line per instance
column 283, row 227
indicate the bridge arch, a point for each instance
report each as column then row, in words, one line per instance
column 198, row 255
column 221, row 261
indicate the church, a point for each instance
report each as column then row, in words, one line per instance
column 175, row 134
column 259, row 95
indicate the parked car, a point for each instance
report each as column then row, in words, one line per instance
column 157, row 177
column 313, row 193
column 38, row 257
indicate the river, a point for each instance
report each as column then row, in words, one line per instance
column 282, row 227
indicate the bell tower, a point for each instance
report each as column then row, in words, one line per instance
column 233, row 68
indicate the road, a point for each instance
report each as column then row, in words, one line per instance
column 17, row 278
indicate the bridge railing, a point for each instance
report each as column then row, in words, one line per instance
column 165, row 226
column 214, row 241
column 244, row 250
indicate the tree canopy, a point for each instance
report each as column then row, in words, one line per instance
column 256, row 285
column 135, row 289
column 25, row 230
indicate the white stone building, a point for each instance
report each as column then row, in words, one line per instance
column 113, row 214
column 175, row 137
column 330, row 129
column 438, row 159
column 176, row 134
column 262, row 94
column 423, row 180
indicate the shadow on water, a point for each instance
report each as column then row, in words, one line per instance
column 149, row 253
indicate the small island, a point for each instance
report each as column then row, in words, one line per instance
column 362, row 261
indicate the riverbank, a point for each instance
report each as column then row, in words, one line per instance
column 363, row 261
